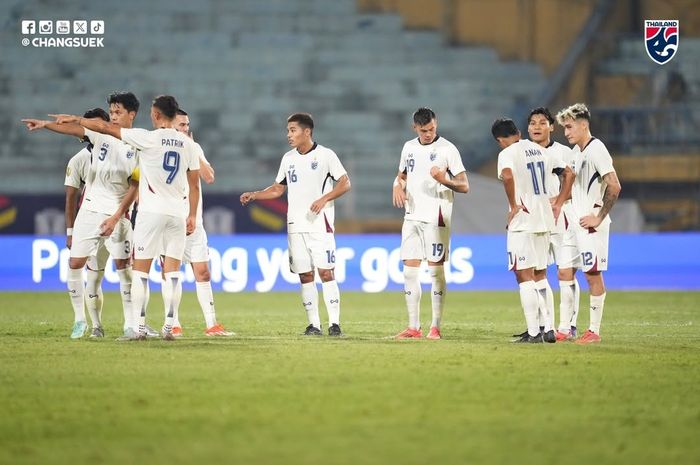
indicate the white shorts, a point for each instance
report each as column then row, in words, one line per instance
column 311, row 250
column 527, row 250
column 157, row 234
column 196, row 246
column 563, row 250
column 593, row 248
column 424, row 241
column 87, row 239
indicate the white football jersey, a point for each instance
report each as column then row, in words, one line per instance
column 78, row 169
column 308, row 177
column 592, row 164
column 566, row 156
column 426, row 199
column 200, row 206
column 165, row 157
column 113, row 163
column 531, row 168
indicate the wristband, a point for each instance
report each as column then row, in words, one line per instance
column 69, row 231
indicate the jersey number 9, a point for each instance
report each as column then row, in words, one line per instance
column 171, row 164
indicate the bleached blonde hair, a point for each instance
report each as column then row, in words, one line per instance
column 574, row 112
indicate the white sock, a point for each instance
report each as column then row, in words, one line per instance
column 139, row 298
column 566, row 305
column 177, row 297
column 438, row 293
column 205, row 296
column 93, row 289
column 171, row 298
column 529, row 299
column 76, row 292
column 412, row 291
column 125, row 293
column 597, row 304
column 577, row 301
column 546, row 309
column 309, row 298
column 331, row 296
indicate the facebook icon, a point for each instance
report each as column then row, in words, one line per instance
column 28, row 27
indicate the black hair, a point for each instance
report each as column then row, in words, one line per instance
column 504, row 127
column 181, row 112
column 167, row 105
column 305, row 120
column 127, row 99
column 96, row 113
column 423, row 116
column 541, row 111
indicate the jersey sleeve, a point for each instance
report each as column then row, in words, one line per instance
column 200, row 153
column 505, row 160
column 93, row 136
column 335, row 167
column 557, row 161
column 454, row 162
column 402, row 160
column 281, row 177
column 193, row 151
column 73, row 178
column 602, row 160
column 138, row 138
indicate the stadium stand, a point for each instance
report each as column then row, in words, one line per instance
column 360, row 74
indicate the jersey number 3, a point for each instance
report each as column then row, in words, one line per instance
column 171, row 164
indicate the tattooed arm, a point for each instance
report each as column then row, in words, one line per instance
column 612, row 192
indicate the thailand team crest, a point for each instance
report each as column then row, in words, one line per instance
column 661, row 39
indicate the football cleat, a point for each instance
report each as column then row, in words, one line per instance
column 97, row 331
column 168, row 335
column 523, row 334
column 409, row 333
column 563, row 336
column 177, row 331
column 79, row 329
column 150, row 332
column 549, row 337
column 334, row 330
column 589, row 337
column 311, row 330
column 434, row 333
column 527, row 339
column 216, row 330
column 129, row 335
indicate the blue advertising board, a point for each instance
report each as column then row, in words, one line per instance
column 369, row 263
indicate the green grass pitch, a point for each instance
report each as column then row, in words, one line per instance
column 270, row 396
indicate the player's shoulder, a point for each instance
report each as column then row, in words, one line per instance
column 443, row 143
column 596, row 145
column 325, row 151
column 559, row 147
column 411, row 143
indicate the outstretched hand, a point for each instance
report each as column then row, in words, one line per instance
column 247, row 197
column 34, row 124
column 63, row 118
